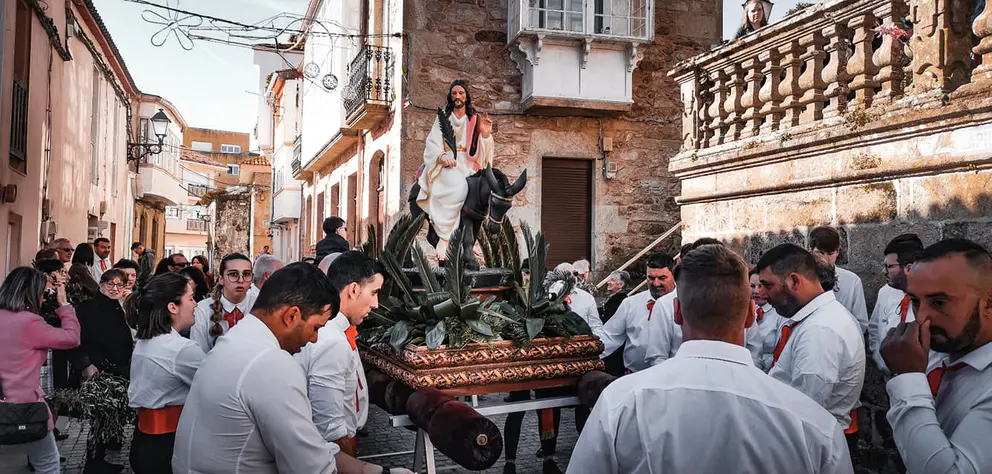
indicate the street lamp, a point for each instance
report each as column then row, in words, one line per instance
column 160, row 126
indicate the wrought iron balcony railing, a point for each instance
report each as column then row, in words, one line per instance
column 196, row 225
column 369, row 80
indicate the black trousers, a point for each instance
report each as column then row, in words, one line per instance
column 151, row 454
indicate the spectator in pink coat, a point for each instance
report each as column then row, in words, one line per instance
column 25, row 339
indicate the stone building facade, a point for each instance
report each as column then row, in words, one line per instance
column 608, row 117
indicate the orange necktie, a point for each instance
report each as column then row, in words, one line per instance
column 232, row 317
column 351, row 333
column 650, row 309
column 759, row 314
column 936, row 375
column 103, row 265
column 904, row 308
column 782, row 340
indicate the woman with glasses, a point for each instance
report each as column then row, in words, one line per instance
column 108, row 343
column 25, row 339
column 162, row 368
column 82, row 286
column 230, row 302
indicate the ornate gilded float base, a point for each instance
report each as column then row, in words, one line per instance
column 555, row 348
column 481, row 365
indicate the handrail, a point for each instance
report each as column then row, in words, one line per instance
column 643, row 251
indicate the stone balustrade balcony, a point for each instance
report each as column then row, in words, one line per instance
column 842, row 92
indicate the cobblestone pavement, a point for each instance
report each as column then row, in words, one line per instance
column 382, row 439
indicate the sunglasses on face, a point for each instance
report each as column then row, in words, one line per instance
column 180, row 264
column 68, row 250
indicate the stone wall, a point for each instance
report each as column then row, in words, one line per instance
column 232, row 225
column 261, row 211
column 467, row 39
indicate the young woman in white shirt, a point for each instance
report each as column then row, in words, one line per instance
column 162, row 368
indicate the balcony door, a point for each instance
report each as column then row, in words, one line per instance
column 566, row 209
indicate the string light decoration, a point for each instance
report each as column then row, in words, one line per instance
column 188, row 26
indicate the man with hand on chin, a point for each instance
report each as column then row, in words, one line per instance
column 335, row 376
column 941, row 410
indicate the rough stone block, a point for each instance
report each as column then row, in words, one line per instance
column 804, row 208
column 758, row 243
column 866, row 243
column 978, row 231
column 868, row 203
column 950, row 196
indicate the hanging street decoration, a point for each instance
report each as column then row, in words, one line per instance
column 173, row 24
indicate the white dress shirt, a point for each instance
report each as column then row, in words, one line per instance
column 949, row 433
column 648, row 341
column 584, row 305
column 95, row 269
column 248, row 411
column 708, row 410
column 884, row 317
column 851, row 293
column 202, row 323
column 253, row 290
column 162, row 370
column 762, row 336
column 825, row 357
column 335, row 382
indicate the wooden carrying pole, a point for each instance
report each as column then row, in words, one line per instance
column 642, row 252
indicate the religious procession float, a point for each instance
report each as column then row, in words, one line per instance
column 456, row 330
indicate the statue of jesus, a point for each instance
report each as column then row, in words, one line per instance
column 443, row 187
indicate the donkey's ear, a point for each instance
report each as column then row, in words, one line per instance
column 491, row 180
column 517, row 185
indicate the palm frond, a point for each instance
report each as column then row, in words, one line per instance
column 510, row 250
column 371, row 245
column 490, row 249
column 427, row 276
column 403, row 235
column 447, row 132
column 397, row 276
column 538, row 269
column 456, row 268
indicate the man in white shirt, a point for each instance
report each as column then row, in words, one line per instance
column 941, row 411
column 101, row 247
column 762, row 336
column 821, row 351
column 247, row 410
column 893, row 305
column 825, row 241
column 646, row 339
column 335, row 376
column 212, row 318
column 640, row 423
column 265, row 265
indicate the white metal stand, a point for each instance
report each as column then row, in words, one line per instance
column 423, row 452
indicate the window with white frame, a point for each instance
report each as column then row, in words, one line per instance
column 559, row 15
column 230, row 148
column 233, row 170
column 173, row 212
column 627, row 18
column 202, row 146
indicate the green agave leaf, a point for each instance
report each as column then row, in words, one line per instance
column 446, row 309
column 399, row 334
column 480, row 327
column 436, row 335
column 470, row 310
column 534, row 327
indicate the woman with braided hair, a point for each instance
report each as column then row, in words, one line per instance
column 227, row 305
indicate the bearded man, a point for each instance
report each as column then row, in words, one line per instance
column 443, row 187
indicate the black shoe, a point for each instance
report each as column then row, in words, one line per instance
column 101, row 466
column 60, row 436
column 509, row 468
column 551, row 467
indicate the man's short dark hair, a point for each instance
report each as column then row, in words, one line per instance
column 127, row 263
column 99, row 240
column 136, row 245
column 906, row 249
column 46, row 254
column 661, row 260
column 977, row 256
column 49, row 265
column 298, row 284
column 352, row 267
column 332, row 224
column 825, row 239
column 685, row 249
column 710, row 270
column 784, row 259
column 703, row 241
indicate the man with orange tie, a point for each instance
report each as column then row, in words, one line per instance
column 820, row 352
column 893, row 305
column 335, row 376
column 941, row 410
column 101, row 247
